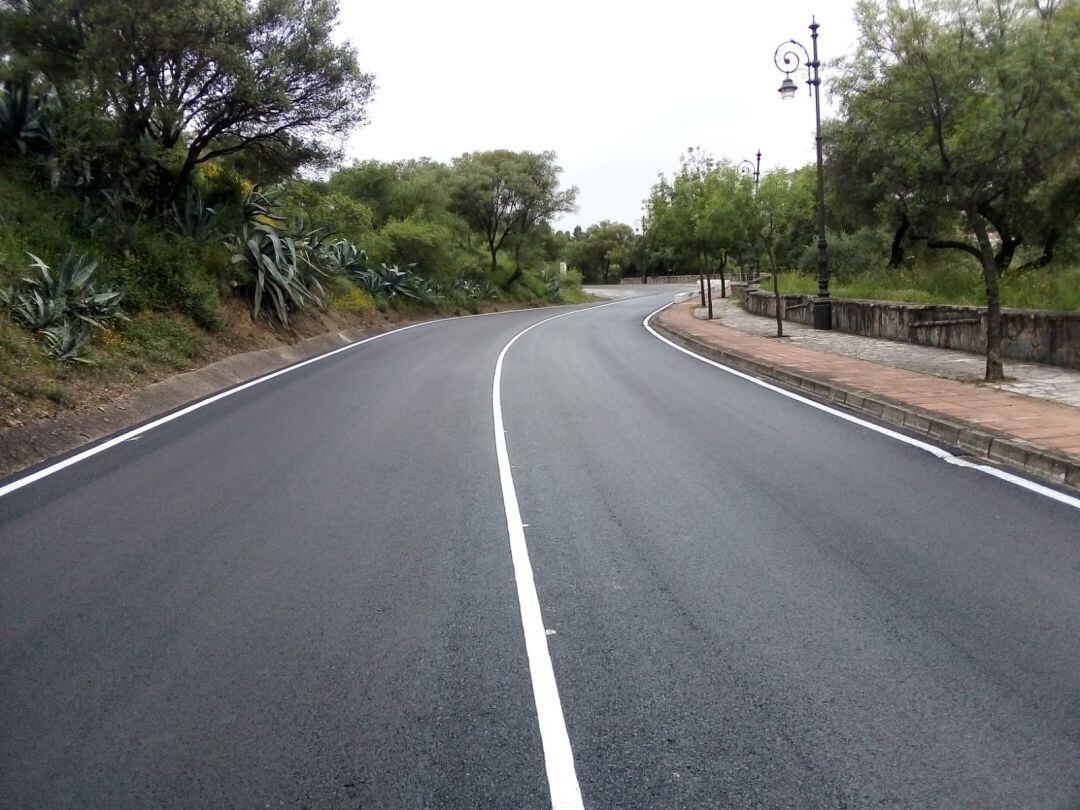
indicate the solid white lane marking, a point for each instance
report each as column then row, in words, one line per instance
column 558, row 756
column 944, row 455
column 135, row 433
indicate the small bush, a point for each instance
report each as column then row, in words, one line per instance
column 345, row 297
column 160, row 339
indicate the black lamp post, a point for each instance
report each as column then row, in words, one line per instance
column 747, row 168
column 789, row 57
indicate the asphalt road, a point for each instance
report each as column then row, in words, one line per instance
column 303, row 595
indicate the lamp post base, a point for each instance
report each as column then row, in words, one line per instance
column 823, row 313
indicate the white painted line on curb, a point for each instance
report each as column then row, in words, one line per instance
column 944, row 455
column 134, row 433
column 558, row 756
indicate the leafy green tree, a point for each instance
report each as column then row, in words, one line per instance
column 781, row 202
column 600, row 248
column 183, row 82
column 503, row 195
column 540, row 199
column 699, row 219
column 965, row 114
column 721, row 223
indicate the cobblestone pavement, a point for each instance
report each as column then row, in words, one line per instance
column 1030, row 379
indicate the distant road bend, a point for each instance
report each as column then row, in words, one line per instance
column 584, row 569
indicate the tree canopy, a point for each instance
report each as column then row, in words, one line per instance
column 963, row 116
column 503, row 194
column 187, row 81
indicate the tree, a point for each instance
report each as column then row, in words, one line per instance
column 600, row 247
column 540, row 199
column 186, row 81
column 781, row 202
column 721, row 222
column 968, row 121
column 502, row 194
column 699, row 218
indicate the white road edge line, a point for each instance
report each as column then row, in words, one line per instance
column 558, row 756
column 944, row 455
column 134, row 433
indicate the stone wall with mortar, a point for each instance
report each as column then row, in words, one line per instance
column 660, row 280
column 1029, row 335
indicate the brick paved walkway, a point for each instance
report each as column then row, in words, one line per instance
column 1051, row 425
column 1031, row 379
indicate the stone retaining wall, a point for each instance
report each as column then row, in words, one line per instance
column 1029, row 335
column 660, row 280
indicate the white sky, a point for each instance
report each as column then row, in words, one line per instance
column 617, row 89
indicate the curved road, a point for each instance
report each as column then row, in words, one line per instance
column 303, row 595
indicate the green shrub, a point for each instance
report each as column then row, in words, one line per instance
column 420, row 242
column 170, row 271
column 346, row 297
column 159, row 338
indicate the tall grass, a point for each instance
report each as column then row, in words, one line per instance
column 1051, row 288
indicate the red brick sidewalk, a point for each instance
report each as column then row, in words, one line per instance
column 1041, row 437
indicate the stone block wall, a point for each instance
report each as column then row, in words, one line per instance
column 686, row 279
column 1029, row 335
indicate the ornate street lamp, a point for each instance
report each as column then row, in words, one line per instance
column 789, row 57
column 747, row 168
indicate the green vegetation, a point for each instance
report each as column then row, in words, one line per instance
column 952, row 175
column 152, row 157
column 949, row 282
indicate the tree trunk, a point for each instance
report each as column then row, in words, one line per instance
column 994, row 368
column 723, row 281
column 896, row 256
column 701, row 282
column 779, row 304
column 776, row 291
column 708, row 284
column 1047, row 254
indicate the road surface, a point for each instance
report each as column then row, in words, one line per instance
column 304, row 595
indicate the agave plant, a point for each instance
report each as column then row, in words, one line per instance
column 23, row 115
column 311, row 244
column 260, row 206
column 389, row 281
column 552, row 283
column 72, row 278
column 345, row 257
column 467, row 287
column 276, row 264
column 66, row 341
column 62, row 304
column 196, row 219
column 34, row 311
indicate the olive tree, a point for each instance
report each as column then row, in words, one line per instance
column 964, row 114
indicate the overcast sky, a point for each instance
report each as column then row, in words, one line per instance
column 617, row 89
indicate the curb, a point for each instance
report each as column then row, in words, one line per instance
column 964, row 437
